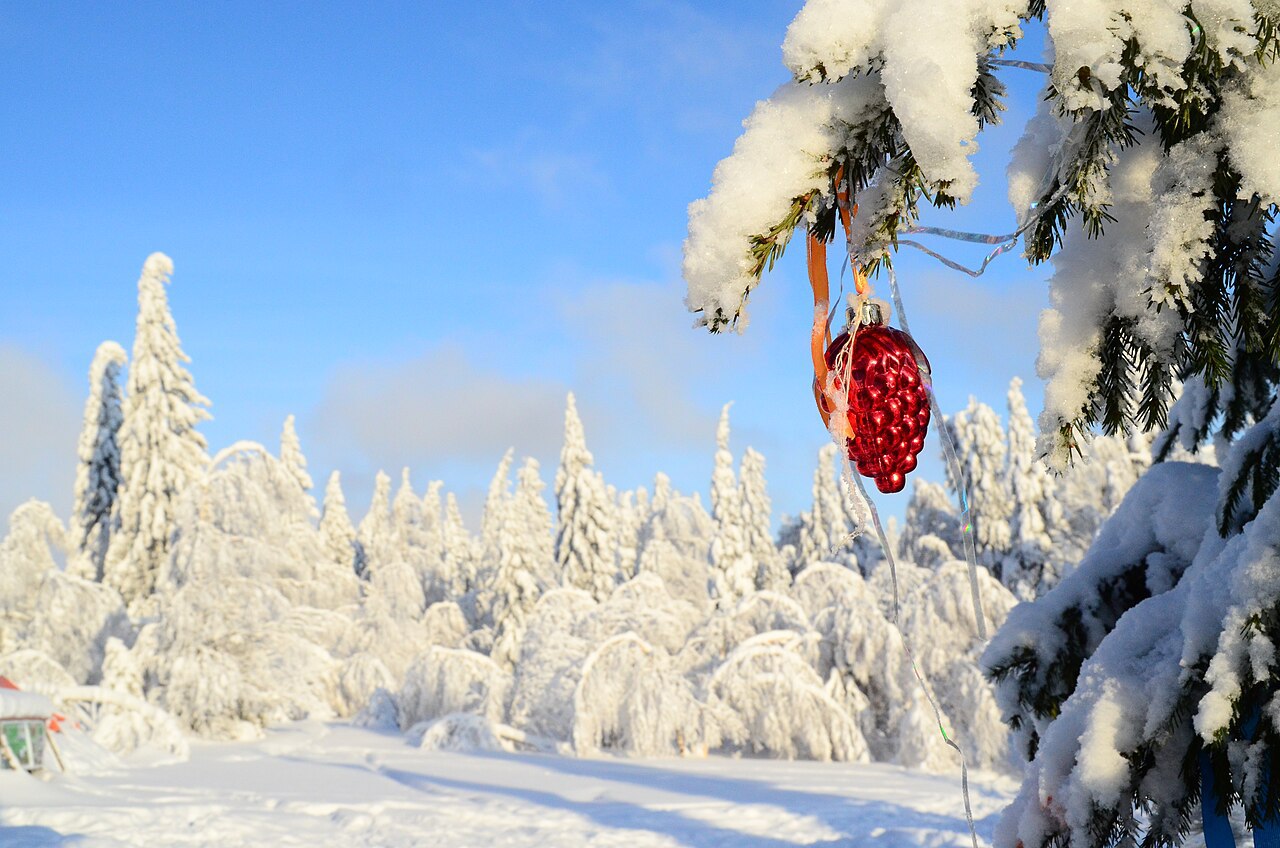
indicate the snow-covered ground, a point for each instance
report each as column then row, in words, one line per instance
column 331, row 784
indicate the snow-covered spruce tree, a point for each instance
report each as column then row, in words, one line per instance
column 982, row 451
column 496, row 503
column 98, row 470
column 1149, row 176
column 757, row 518
column 630, row 516
column 1030, row 568
column 932, row 534
column 411, row 537
column 161, row 452
column 291, row 455
column 584, row 532
column 375, row 535
column 524, row 557
column 733, row 569
column 337, row 534
column 434, row 579
column 820, row 533
column 460, row 555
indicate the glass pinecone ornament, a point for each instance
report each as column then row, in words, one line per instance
column 888, row 398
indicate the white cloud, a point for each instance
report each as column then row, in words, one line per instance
column 646, row 364
column 437, row 408
column 39, row 424
column 529, row 166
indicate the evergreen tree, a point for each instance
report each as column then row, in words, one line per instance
column 1029, row 568
column 631, row 514
column 416, row 534
column 980, row 447
column 1148, row 176
column 294, row 460
column 497, row 501
column 524, row 553
column 337, row 534
column 732, row 567
column 434, row 578
column 161, row 452
column 291, row 455
column 376, row 534
column 932, row 534
column 584, row 531
column 757, row 516
column 98, row 470
column 459, row 550
column 823, row 531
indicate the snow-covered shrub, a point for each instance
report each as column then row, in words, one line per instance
column 380, row 713
column 552, row 656
column 938, row 619
column 766, row 610
column 221, row 656
column 686, row 577
column 631, row 699
column 26, row 555
column 327, row 629
column 444, row 624
column 825, row 584
column 35, row 670
column 641, row 606
column 76, row 619
column 126, row 722
column 395, row 591
column 450, row 680
column 771, row 702
column 760, row 612
column 362, row 674
column 461, row 732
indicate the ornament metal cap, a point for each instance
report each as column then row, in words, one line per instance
column 871, row 313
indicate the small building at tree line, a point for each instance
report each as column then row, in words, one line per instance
column 23, row 720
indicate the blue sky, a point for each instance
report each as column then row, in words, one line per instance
column 417, row 226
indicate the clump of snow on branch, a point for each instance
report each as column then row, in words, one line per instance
column 788, row 137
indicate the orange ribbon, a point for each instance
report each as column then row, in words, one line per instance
column 820, row 336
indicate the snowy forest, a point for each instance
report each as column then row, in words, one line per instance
column 230, row 593
column 1087, row 606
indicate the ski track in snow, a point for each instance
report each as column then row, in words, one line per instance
column 331, row 784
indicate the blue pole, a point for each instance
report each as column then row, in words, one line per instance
column 1217, row 827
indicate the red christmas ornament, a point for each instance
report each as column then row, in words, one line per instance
column 887, row 395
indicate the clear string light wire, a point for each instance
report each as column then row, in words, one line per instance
column 866, row 508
